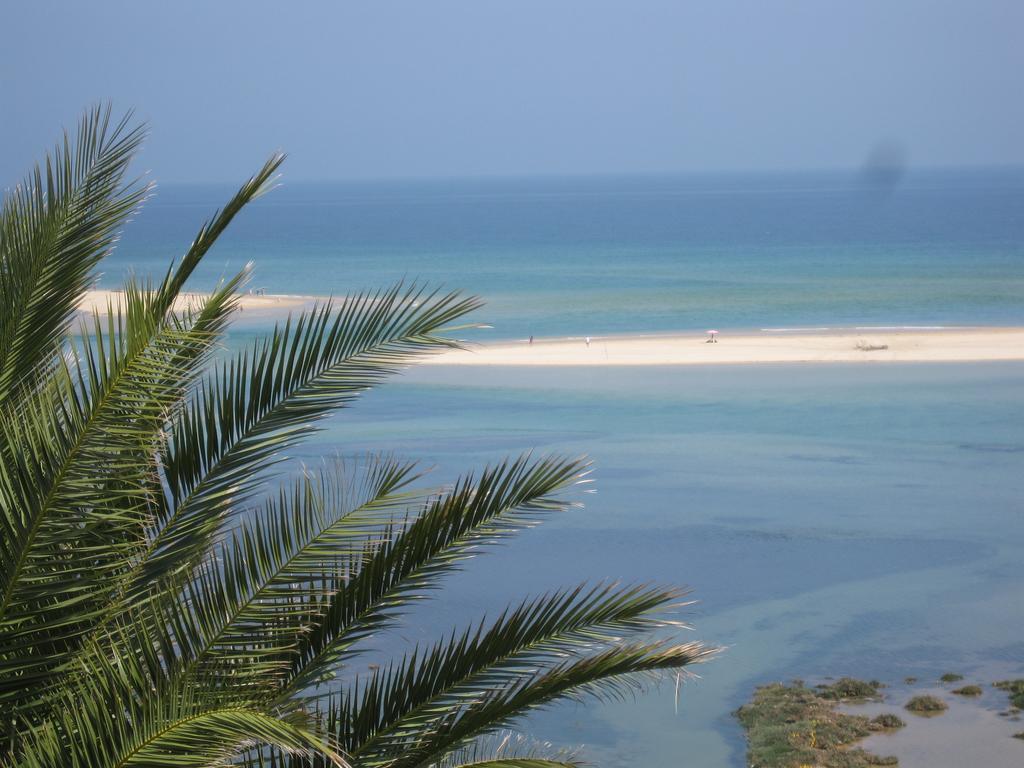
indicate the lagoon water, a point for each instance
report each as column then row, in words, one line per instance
column 846, row 519
column 833, row 519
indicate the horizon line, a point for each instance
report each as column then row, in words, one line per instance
column 595, row 175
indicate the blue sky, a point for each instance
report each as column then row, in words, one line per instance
column 474, row 87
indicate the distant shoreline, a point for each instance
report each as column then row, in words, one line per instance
column 100, row 301
column 849, row 345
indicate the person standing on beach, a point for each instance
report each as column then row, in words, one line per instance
column 588, row 341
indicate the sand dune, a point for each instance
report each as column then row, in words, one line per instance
column 843, row 346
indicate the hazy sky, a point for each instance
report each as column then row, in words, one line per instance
column 472, row 87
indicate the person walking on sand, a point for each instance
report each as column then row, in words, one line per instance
column 531, row 341
column 588, row 342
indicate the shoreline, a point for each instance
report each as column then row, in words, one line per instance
column 851, row 345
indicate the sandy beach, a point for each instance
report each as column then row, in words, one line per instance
column 261, row 304
column 840, row 346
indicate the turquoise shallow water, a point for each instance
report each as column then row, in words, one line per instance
column 841, row 519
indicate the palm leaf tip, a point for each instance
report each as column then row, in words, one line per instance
column 373, row 717
column 510, row 750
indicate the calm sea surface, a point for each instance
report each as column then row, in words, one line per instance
column 842, row 519
column 585, row 257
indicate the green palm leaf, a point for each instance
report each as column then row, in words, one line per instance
column 77, row 489
column 404, row 567
column 55, row 227
column 116, row 398
column 169, row 728
column 376, row 718
column 270, row 397
column 249, row 606
column 612, row 673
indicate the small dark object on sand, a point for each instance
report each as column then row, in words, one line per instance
column 865, row 346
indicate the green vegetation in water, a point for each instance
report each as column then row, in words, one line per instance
column 926, row 705
column 794, row 726
column 1016, row 690
column 969, row 690
column 887, row 721
column 1019, row 735
column 951, row 677
column 850, row 689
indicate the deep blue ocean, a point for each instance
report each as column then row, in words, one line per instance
column 831, row 519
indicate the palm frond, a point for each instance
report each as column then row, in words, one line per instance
column 257, row 185
column 80, row 488
column 374, row 719
column 271, row 396
column 55, row 227
column 114, row 397
column 404, row 567
column 249, row 606
column 77, row 486
column 612, row 673
column 136, row 709
column 173, row 734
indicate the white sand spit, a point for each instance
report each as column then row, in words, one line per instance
column 841, row 346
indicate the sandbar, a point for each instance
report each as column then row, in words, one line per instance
column 857, row 345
